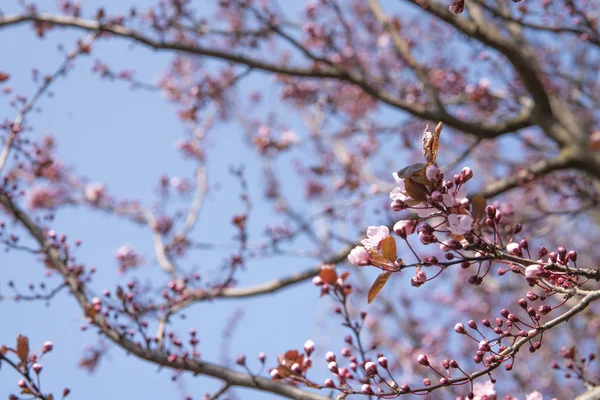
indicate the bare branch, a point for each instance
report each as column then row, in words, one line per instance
column 158, row 357
column 17, row 124
column 480, row 129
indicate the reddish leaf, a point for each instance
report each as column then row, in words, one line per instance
column 26, row 390
column 478, row 205
column 345, row 275
column 431, row 143
column 377, row 259
column 415, row 190
column 50, row 397
column 4, row 76
column 411, row 170
column 291, row 355
column 91, row 312
column 378, row 285
column 22, row 348
column 388, row 248
column 120, row 293
column 328, row 274
column 286, row 361
column 3, row 350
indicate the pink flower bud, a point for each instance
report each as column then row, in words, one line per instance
column 514, row 249
column 346, row 352
column 329, row 383
column 427, row 382
column 383, row 362
column 534, row 271
column 333, row 367
column 366, row 389
column 262, row 357
column 241, row 360
column 317, row 281
column 532, row 296
column 309, row 347
column 370, row 368
column 48, row 346
column 330, row 356
column 296, row 368
column 545, row 309
column 422, row 359
column 457, row 7
column 275, row 374
column 22, row 384
column 460, row 328
column 467, row 173
column 37, row 368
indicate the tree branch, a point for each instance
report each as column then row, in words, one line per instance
column 479, row 129
column 158, row 357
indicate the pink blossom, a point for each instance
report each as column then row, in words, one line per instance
column 424, row 211
column 43, row 197
column 127, row 258
column 375, row 234
column 399, row 192
column 535, row 395
column 359, row 256
column 484, row 391
column 383, row 40
column 451, row 199
column 289, row 137
column 460, row 224
column 94, row 192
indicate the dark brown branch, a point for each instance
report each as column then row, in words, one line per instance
column 549, row 112
column 593, row 36
column 479, row 129
column 540, row 168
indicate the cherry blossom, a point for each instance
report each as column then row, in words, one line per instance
column 359, row 256
column 375, row 234
column 460, row 224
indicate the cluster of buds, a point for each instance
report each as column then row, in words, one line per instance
column 329, row 280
